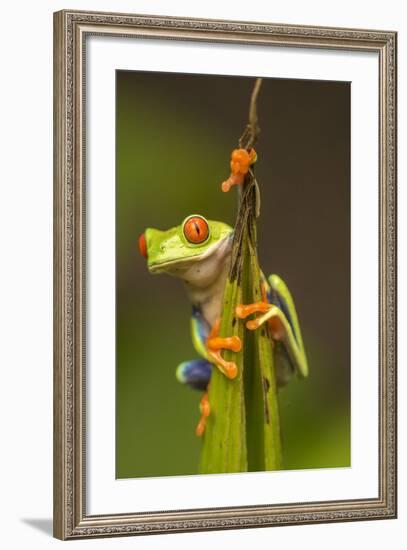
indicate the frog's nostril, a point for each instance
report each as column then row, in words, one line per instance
column 142, row 245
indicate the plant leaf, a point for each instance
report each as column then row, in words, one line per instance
column 224, row 447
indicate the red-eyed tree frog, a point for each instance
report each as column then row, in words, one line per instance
column 199, row 252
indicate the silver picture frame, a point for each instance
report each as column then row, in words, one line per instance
column 71, row 28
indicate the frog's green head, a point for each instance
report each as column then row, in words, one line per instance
column 191, row 250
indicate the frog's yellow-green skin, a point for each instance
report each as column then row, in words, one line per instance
column 198, row 251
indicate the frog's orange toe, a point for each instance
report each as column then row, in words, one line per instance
column 252, row 325
column 231, row 370
column 233, row 343
column 199, row 430
column 226, row 185
column 233, row 179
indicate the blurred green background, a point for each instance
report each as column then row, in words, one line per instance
column 174, row 137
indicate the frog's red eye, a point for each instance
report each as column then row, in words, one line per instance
column 142, row 245
column 196, row 229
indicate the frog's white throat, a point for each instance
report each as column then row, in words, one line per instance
column 201, row 271
column 205, row 280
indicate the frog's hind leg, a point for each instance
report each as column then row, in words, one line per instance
column 280, row 314
column 197, row 374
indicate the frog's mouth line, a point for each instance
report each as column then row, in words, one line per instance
column 220, row 247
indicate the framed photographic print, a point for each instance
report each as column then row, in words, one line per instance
column 225, row 274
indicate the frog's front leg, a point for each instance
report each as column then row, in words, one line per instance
column 197, row 373
column 214, row 345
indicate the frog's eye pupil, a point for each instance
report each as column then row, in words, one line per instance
column 196, row 229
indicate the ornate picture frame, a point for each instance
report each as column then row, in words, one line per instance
column 71, row 31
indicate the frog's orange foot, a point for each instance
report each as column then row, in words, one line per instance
column 205, row 412
column 243, row 311
column 269, row 313
column 214, row 345
column 239, row 165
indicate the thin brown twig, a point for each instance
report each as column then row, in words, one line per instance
column 253, row 102
column 252, row 130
